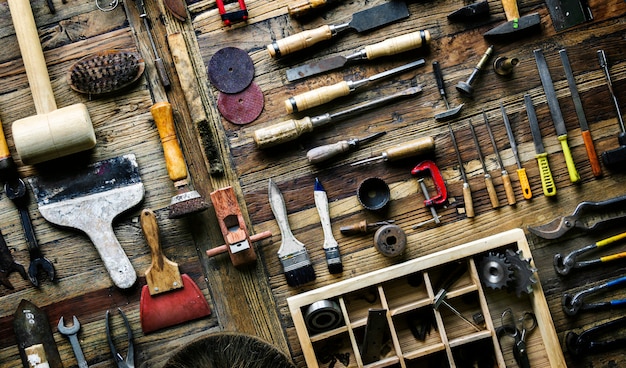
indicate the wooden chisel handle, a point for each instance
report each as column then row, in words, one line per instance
column 299, row 41
column 467, row 200
column 411, row 148
column 325, row 152
column 303, row 7
column 317, row 97
column 523, row 180
column 510, row 9
column 282, row 132
column 174, row 160
column 397, row 44
column 569, row 160
column 508, row 188
column 491, row 189
column 591, row 153
column 547, row 182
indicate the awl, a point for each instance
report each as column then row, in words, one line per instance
column 362, row 21
column 414, row 147
column 555, row 112
column 291, row 129
column 547, row 182
column 391, row 46
column 328, row 151
column 322, row 95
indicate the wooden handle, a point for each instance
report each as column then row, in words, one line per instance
column 491, row 189
column 508, row 188
column 325, row 152
column 591, row 153
column 32, row 55
column 353, row 229
column 4, row 147
column 303, row 7
column 467, row 200
column 398, row 44
column 282, row 132
column 299, row 41
column 569, row 160
column 412, row 148
column 174, row 160
column 224, row 248
column 523, row 180
column 316, row 97
column 510, row 9
column 162, row 275
column 547, row 182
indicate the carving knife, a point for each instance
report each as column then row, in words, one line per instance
column 584, row 127
column 547, row 182
column 362, row 21
column 388, row 47
column 555, row 112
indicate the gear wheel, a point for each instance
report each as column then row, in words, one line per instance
column 495, row 271
column 523, row 272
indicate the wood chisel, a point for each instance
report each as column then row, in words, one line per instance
column 467, row 191
column 555, row 112
column 521, row 171
column 582, row 120
column 328, row 151
column 322, row 95
column 388, row 47
column 362, row 21
column 411, row 148
column 506, row 180
column 291, row 129
column 547, row 182
column 491, row 189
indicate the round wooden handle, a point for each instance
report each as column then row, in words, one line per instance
column 508, row 188
column 398, row 44
column 150, row 230
column 467, row 200
column 325, row 152
column 303, row 7
column 32, row 55
column 510, row 9
column 174, row 160
column 316, row 97
column 491, row 189
column 412, row 148
column 282, row 132
column 591, row 153
column 299, row 41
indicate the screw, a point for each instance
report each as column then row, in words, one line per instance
column 466, row 87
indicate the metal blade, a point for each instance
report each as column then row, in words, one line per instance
column 509, row 133
column 534, row 124
column 379, row 16
column 324, row 65
column 397, row 70
column 548, row 88
column 470, row 12
column 574, row 91
column 522, row 26
column 568, row 13
column 375, row 103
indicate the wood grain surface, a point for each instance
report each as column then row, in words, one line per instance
column 219, row 154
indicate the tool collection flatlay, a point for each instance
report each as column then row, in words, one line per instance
column 449, row 292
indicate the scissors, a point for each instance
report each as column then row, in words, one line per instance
column 517, row 328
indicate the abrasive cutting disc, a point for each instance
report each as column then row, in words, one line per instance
column 243, row 107
column 231, row 70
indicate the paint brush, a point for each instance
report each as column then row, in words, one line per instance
column 292, row 253
column 331, row 248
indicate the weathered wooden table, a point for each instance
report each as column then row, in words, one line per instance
column 253, row 301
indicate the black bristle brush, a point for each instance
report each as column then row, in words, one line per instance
column 105, row 72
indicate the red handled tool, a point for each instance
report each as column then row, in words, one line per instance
column 240, row 15
column 440, row 186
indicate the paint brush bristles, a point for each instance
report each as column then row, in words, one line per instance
column 292, row 253
column 331, row 248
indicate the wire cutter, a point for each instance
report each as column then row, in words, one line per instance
column 564, row 264
column 572, row 304
column 129, row 362
column 527, row 322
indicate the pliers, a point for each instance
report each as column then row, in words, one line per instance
column 129, row 362
column 587, row 216
column 572, row 304
column 564, row 264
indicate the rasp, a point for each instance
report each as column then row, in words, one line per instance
column 547, row 182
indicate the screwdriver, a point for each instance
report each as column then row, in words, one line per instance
column 493, row 196
column 521, row 171
column 506, row 180
column 322, row 95
column 291, row 129
column 328, row 151
column 467, row 191
column 411, row 148
column 363, row 227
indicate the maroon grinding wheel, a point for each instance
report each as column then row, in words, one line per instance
column 243, row 107
column 231, row 70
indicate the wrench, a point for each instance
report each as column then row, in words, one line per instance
column 8, row 265
column 71, row 332
column 573, row 304
column 16, row 191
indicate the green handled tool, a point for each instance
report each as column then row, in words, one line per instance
column 547, row 182
column 555, row 112
column 521, row 171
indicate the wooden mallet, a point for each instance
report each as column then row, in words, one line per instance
column 53, row 132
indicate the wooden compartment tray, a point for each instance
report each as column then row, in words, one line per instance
column 403, row 289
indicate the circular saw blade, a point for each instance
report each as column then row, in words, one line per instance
column 231, row 70
column 243, row 107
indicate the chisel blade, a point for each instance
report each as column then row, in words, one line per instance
column 317, row 67
column 379, row 16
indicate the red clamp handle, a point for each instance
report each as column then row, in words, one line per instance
column 442, row 192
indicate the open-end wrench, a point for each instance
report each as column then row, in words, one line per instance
column 8, row 265
column 71, row 333
column 16, row 191
column 564, row 264
column 572, row 304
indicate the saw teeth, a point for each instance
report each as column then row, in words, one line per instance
column 495, row 271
